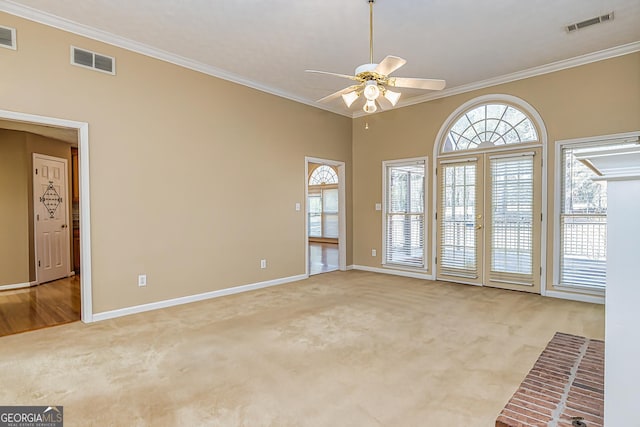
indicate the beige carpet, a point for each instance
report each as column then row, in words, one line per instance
column 340, row 349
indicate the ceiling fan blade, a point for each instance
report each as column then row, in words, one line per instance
column 413, row 83
column 337, row 94
column 345, row 76
column 389, row 65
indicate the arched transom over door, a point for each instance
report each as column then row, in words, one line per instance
column 488, row 203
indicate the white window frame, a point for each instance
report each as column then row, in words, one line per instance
column 618, row 138
column 14, row 42
column 425, row 256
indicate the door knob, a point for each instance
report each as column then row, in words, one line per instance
column 64, row 226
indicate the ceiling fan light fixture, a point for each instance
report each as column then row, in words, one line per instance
column 349, row 98
column 392, row 96
column 371, row 90
column 370, row 106
column 373, row 79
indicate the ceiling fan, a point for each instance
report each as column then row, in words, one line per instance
column 374, row 80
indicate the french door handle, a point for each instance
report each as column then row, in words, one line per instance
column 478, row 227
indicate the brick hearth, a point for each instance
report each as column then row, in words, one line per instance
column 567, row 381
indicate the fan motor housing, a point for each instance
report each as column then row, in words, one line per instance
column 365, row 68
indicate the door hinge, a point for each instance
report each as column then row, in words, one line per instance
column 436, row 216
column 38, row 263
column 541, row 270
column 436, row 261
column 36, row 171
column 38, row 217
column 436, row 171
column 541, row 217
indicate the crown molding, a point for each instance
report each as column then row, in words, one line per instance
column 54, row 21
column 577, row 61
column 105, row 37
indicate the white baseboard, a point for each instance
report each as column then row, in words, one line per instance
column 15, row 286
column 594, row 299
column 349, row 267
column 403, row 273
column 193, row 298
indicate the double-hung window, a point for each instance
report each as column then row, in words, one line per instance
column 582, row 231
column 404, row 213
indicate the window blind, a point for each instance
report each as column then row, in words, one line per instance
column 457, row 216
column 583, row 224
column 404, row 214
column 512, row 219
column 323, row 212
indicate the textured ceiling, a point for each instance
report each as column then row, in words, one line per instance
column 269, row 44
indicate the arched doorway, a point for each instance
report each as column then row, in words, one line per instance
column 325, row 209
column 323, row 220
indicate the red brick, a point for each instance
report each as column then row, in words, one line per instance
column 541, row 392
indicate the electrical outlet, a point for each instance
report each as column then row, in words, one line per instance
column 263, row 263
column 374, row 252
column 142, row 280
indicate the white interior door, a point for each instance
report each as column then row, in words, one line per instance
column 489, row 213
column 51, row 217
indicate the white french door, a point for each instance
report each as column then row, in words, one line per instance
column 489, row 219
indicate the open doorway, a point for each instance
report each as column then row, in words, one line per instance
column 325, row 216
column 68, row 298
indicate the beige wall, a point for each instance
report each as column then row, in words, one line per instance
column 193, row 179
column 14, row 243
column 594, row 99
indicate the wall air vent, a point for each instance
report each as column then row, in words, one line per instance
column 95, row 61
column 8, row 37
column 587, row 23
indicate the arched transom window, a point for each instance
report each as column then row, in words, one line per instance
column 323, row 175
column 489, row 125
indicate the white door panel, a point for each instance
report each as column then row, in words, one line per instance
column 51, row 217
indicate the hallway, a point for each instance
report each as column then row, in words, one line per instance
column 323, row 257
column 37, row 307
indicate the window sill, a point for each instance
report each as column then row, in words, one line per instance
column 401, row 267
column 588, row 290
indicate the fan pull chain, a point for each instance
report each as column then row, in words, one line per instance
column 371, row 31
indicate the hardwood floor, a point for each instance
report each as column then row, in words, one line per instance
column 49, row 304
column 323, row 257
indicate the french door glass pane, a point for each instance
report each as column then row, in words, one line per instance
column 330, row 225
column 315, row 214
column 457, row 234
column 512, row 215
column 330, row 200
column 323, row 213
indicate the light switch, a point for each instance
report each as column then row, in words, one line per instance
column 297, row 206
column 378, row 206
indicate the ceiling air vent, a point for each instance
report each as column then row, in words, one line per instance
column 8, row 37
column 95, row 61
column 589, row 22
